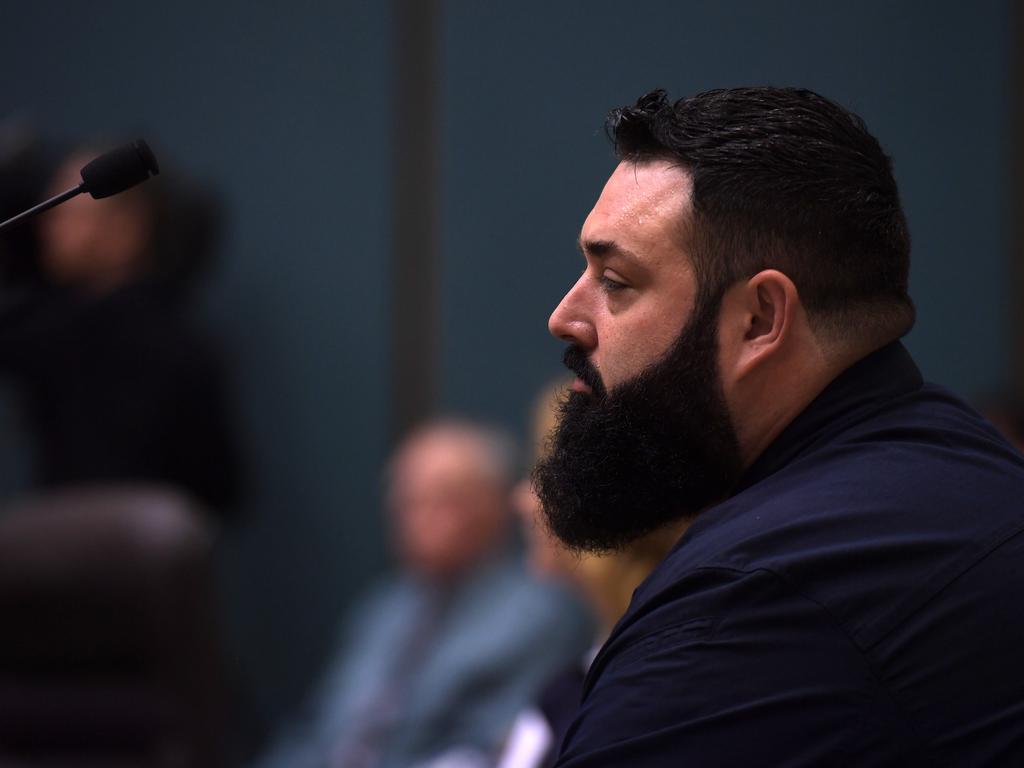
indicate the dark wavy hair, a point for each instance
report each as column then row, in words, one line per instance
column 784, row 179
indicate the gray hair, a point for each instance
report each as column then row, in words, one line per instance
column 496, row 455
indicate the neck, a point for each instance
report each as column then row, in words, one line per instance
column 781, row 392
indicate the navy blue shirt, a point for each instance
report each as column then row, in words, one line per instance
column 858, row 600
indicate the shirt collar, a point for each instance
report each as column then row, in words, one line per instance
column 884, row 374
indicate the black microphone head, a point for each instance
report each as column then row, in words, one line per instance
column 117, row 170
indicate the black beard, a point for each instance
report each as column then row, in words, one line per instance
column 655, row 450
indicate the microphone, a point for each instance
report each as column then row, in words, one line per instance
column 110, row 173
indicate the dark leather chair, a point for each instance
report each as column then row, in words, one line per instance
column 109, row 651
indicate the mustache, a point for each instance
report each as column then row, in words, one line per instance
column 576, row 360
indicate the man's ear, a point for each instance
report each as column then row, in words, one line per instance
column 757, row 320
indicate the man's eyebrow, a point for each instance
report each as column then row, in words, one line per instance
column 604, row 249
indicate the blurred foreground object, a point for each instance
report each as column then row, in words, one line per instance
column 439, row 658
column 109, row 654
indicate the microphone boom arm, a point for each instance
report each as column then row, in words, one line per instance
column 43, row 206
column 110, row 173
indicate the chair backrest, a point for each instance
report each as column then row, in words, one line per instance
column 109, row 648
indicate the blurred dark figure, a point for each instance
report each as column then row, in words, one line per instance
column 115, row 385
column 24, row 168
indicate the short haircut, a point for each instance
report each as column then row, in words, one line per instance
column 784, row 179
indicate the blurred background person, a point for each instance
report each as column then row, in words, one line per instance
column 606, row 583
column 438, row 659
column 115, row 385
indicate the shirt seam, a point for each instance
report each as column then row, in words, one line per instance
column 875, row 673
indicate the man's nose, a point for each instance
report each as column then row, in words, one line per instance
column 571, row 319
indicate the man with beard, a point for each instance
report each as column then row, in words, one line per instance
column 846, row 591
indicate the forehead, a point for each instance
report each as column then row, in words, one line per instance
column 644, row 208
column 436, row 458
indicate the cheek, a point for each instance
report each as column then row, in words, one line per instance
column 628, row 350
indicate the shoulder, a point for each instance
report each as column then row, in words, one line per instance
column 733, row 668
column 872, row 522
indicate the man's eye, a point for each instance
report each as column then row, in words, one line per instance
column 611, row 286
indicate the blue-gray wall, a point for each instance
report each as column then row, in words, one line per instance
column 287, row 111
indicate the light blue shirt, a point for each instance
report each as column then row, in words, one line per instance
column 424, row 671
